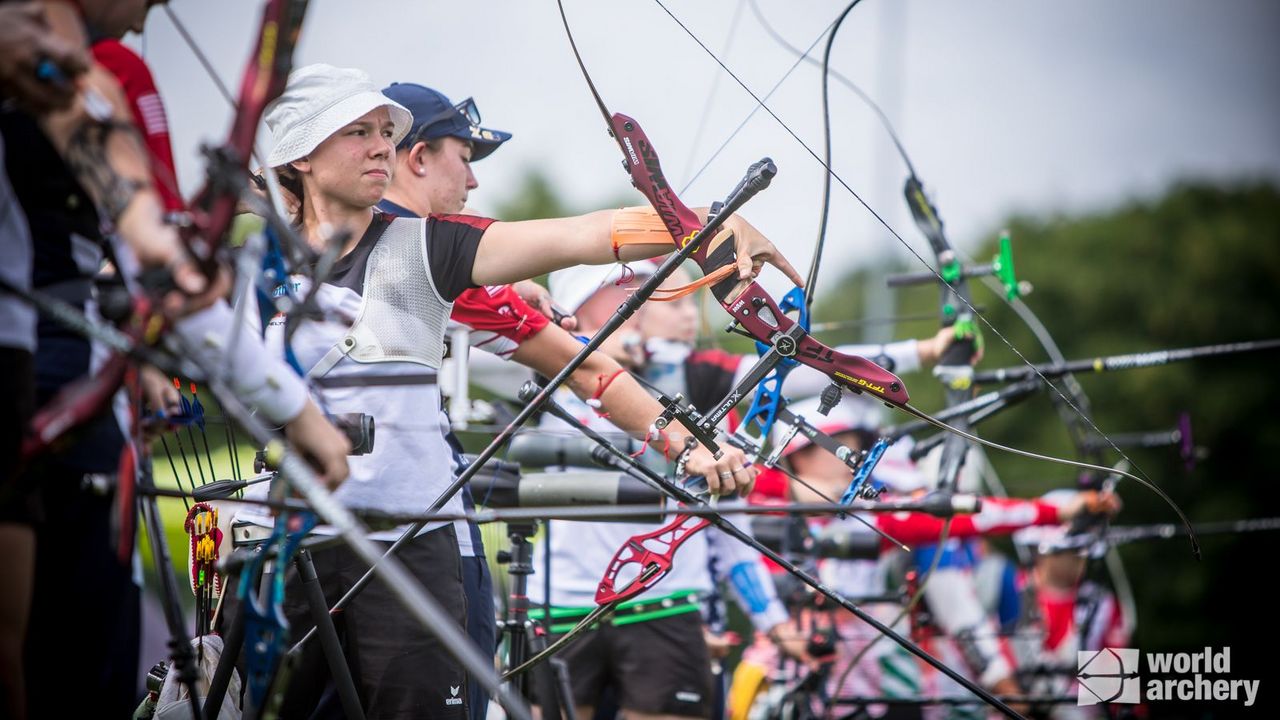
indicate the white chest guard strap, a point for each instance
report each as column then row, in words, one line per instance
column 402, row 315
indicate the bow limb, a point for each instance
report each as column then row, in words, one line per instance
column 812, row 278
column 264, row 79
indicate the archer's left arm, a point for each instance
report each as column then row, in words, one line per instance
column 514, row 251
column 751, row 583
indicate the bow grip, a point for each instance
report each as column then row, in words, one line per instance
column 794, row 301
column 761, row 317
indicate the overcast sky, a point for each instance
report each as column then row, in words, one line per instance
column 1004, row 106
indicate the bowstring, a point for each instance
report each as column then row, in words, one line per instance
column 761, row 104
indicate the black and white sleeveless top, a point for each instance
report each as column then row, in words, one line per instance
column 386, row 305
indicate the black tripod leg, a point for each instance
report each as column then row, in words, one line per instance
column 179, row 640
column 338, row 668
column 232, row 642
column 560, row 670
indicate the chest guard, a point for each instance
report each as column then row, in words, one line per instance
column 402, row 315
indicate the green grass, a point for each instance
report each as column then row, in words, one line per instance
column 216, row 463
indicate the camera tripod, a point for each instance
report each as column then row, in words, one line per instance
column 524, row 636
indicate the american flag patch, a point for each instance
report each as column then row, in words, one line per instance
column 153, row 117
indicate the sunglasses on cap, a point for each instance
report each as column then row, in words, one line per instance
column 467, row 109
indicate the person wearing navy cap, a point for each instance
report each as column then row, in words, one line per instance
column 432, row 177
column 433, row 162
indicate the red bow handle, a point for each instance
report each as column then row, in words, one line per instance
column 651, row 553
column 754, row 309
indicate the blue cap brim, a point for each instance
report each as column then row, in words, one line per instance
column 485, row 141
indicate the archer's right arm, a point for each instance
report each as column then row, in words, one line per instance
column 98, row 141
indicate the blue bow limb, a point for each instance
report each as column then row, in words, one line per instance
column 763, row 411
column 863, row 473
column 266, row 630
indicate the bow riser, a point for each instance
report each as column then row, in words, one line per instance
column 654, row 564
column 763, row 411
column 264, row 79
column 754, row 309
column 760, row 316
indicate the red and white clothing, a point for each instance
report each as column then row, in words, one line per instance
column 1084, row 618
column 499, row 320
column 999, row 516
column 148, row 114
column 887, row 669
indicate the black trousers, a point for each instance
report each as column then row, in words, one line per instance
column 399, row 668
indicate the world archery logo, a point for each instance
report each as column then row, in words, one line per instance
column 1109, row 675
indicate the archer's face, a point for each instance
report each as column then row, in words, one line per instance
column 114, row 18
column 353, row 166
column 675, row 320
column 448, row 176
column 822, row 469
column 624, row 345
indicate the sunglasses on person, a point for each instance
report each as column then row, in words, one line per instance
column 467, row 109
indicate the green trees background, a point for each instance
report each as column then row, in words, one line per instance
column 1198, row 265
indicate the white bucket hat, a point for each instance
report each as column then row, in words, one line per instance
column 853, row 412
column 571, row 287
column 318, row 101
column 895, row 470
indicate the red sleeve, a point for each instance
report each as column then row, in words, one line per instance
column 727, row 362
column 475, row 221
column 496, row 313
column 771, row 486
column 999, row 516
column 148, row 114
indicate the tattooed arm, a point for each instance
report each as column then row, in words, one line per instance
column 102, row 148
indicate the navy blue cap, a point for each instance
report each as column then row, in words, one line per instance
column 434, row 116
